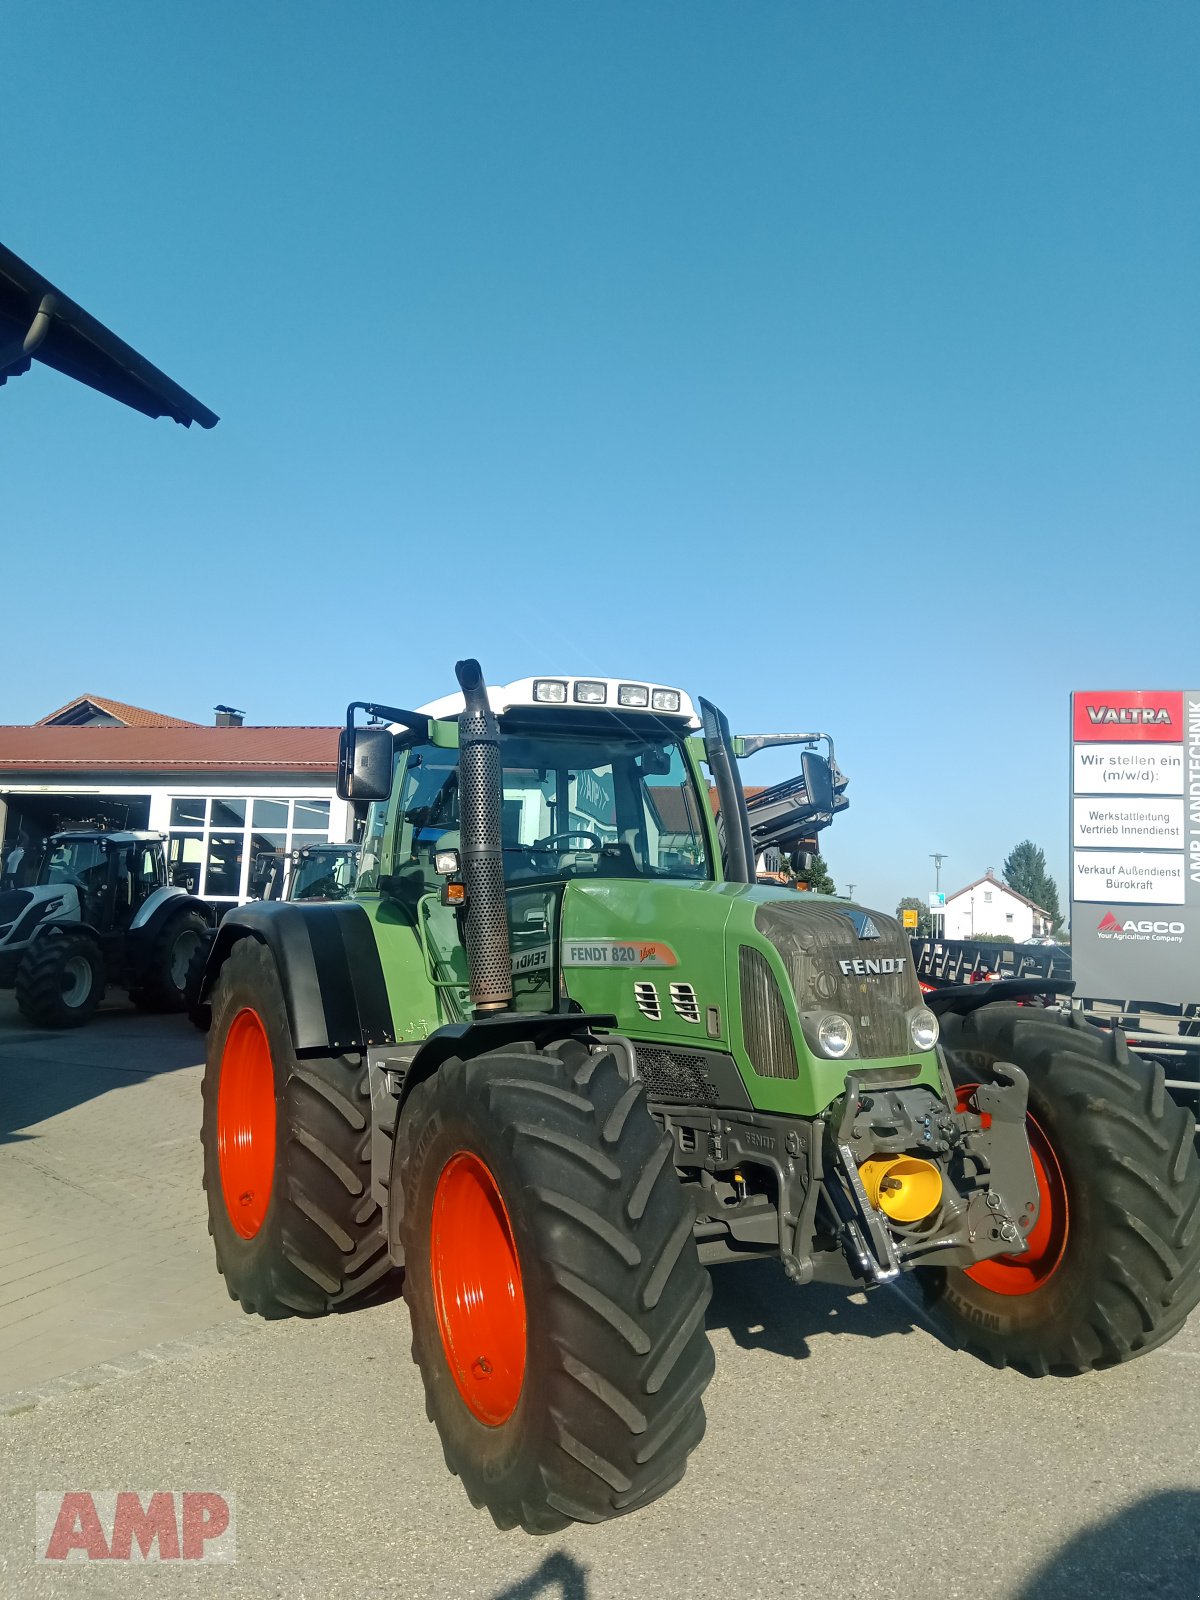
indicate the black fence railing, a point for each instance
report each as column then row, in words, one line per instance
column 1166, row 1033
column 943, row 962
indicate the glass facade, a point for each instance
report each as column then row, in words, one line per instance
column 215, row 842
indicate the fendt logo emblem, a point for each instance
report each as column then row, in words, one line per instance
column 864, row 924
column 1137, row 928
column 862, row 968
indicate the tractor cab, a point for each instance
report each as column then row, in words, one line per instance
column 314, row 872
column 113, row 874
column 323, row 872
column 607, row 787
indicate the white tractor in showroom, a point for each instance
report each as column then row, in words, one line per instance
column 100, row 914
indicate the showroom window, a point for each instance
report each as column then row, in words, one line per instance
column 215, row 841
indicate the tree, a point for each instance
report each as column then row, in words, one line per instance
column 816, row 876
column 1026, row 872
column 924, row 928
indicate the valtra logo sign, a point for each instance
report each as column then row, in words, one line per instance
column 1139, row 929
column 1107, row 715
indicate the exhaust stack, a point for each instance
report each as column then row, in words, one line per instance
column 489, row 958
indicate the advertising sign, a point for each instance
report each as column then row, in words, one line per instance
column 1135, row 844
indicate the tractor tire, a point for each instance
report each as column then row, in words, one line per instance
column 198, row 1015
column 556, row 1296
column 163, row 979
column 1114, row 1262
column 286, row 1154
column 60, row 982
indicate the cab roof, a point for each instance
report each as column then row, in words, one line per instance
column 131, row 836
column 520, row 695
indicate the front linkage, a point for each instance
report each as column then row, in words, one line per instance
column 895, row 1177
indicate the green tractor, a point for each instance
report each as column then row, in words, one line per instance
column 559, row 1054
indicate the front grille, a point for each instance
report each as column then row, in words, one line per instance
column 674, row 1076
column 813, row 938
column 765, row 1027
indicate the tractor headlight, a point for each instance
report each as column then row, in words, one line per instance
column 923, row 1028
column 633, row 694
column 665, row 700
column 590, row 693
column 835, row 1036
column 552, row 690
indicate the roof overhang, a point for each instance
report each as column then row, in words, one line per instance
column 40, row 323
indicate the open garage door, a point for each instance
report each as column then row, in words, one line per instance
column 30, row 819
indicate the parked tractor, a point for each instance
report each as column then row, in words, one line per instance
column 559, row 1054
column 311, row 872
column 100, row 913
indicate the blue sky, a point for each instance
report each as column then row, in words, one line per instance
column 837, row 362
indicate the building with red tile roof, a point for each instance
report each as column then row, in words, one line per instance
column 222, row 794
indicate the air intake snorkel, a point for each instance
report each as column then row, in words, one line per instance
column 489, row 958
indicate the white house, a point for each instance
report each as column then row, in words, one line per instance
column 989, row 906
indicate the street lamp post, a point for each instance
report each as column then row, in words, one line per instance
column 937, row 857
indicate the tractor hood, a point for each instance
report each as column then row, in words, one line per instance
column 23, row 910
column 744, row 969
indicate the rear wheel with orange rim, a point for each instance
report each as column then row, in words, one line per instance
column 286, row 1153
column 1113, row 1264
column 556, row 1296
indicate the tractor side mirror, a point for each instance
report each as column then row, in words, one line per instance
column 818, row 782
column 656, row 761
column 364, row 763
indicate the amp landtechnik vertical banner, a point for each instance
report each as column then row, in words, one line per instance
column 1135, row 844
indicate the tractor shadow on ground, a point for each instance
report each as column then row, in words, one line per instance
column 761, row 1310
column 1152, row 1548
column 559, row 1577
column 45, row 1072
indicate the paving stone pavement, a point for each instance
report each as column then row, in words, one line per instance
column 103, row 1243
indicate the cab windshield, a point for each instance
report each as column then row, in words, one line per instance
column 71, row 861
column 323, row 874
column 616, row 806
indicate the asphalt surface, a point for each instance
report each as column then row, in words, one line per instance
column 849, row 1452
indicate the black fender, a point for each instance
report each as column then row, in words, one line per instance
column 329, row 966
column 463, row 1040
column 966, row 997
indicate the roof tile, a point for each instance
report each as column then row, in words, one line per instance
column 131, row 716
column 165, row 750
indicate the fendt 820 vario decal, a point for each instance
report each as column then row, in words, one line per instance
column 559, row 1054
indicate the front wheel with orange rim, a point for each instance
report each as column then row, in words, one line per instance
column 1113, row 1264
column 478, row 1292
column 556, row 1296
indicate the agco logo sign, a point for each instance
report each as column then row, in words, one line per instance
column 1138, row 928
